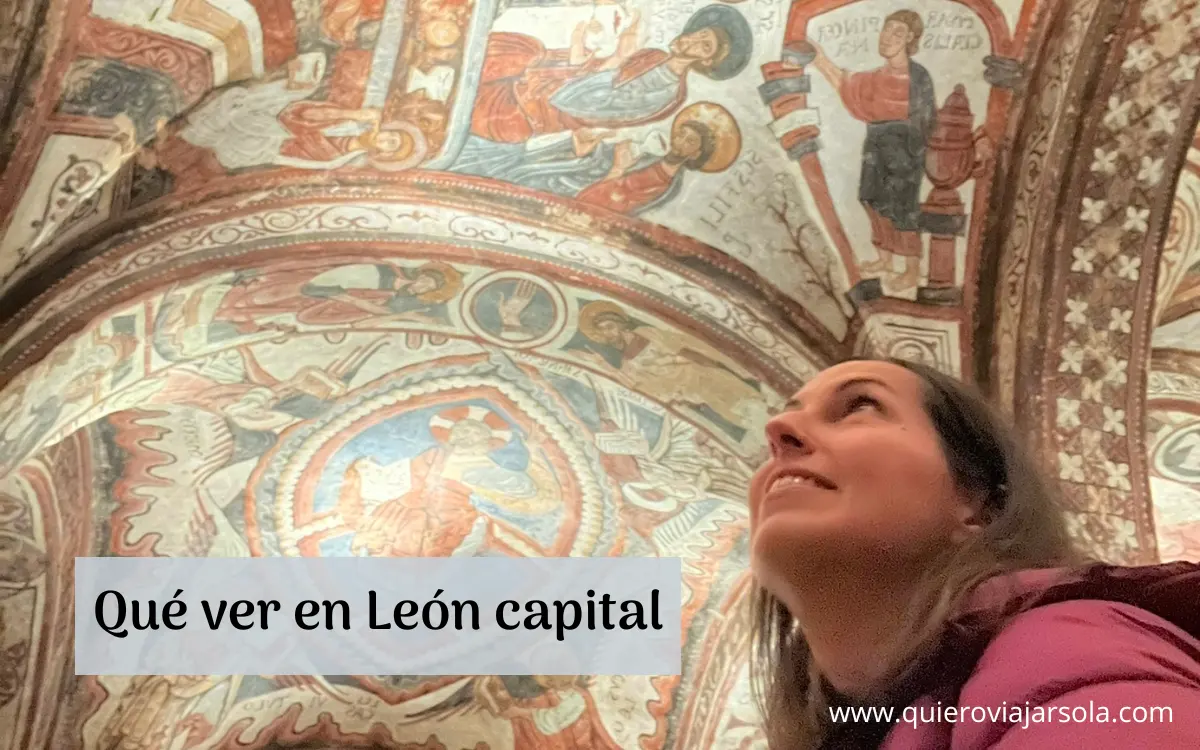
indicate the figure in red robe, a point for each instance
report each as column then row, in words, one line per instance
column 431, row 519
column 354, row 26
column 389, row 145
column 423, row 507
column 897, row 103
column 380, row 291
column 704, row 137
column 343, row 295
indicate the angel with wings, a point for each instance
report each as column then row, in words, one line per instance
column 674, row 370
column 675, row 477
column 547, row 712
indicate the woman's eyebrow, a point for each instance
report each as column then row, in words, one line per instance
column 794, row 403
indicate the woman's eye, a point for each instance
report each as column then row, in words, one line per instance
column 858, row 403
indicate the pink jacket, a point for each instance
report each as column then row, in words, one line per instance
column 1099, row 657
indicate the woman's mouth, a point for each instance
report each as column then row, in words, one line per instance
column 800, row 479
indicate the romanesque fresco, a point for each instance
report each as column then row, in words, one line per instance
column 389, row 402
column 1173, row 384
column 903, row 86
column 1174, row 479
column 336, row 99
column 1077, row 285
column 593, row 123
column 749, row 114
column 527, row 278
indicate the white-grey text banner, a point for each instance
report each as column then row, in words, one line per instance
column 381, row 616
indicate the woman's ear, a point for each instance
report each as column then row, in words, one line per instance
column 969, row 514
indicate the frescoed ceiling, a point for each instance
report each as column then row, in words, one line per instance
column 550, row 264
column 1173, row 387
column 732, row 134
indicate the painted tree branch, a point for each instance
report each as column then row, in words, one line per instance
column 816, row 266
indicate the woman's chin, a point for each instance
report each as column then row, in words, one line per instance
column 790, row 537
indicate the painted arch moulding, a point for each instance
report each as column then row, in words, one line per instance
column 1077, row 265
column 39, row 294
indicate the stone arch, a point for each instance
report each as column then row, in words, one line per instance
column 1084, row 239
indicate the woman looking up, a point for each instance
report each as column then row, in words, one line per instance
column 909, row 557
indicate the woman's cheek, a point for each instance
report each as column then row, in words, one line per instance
column 754, row 499
column 753, row 504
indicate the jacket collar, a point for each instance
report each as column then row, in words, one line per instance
column 1170, row 591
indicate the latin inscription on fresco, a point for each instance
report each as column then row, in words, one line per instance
column 953, row 31
column 747, row 182
column 745, row 174
column 944, row 30
column 767, row 16
column 365, row 707
column 664, row 23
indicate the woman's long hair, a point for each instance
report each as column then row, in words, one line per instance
column 1023, row 528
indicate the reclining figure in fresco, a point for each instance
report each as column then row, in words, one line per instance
column 526, row 90
column 528, row 95
column 608, row 169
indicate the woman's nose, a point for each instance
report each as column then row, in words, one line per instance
column 786, row 434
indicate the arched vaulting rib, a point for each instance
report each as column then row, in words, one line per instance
column 655, row 244
column 443, row 220
column 1089, row 213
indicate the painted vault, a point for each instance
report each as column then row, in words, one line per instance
column 263, row 261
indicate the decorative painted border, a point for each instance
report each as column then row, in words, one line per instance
column 1072, row 346
column 636, row 237
column 61, row 478
column 197, row 244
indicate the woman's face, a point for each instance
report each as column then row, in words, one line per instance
column 856, row 477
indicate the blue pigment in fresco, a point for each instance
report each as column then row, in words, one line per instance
column 403, row 436
column 535, row 319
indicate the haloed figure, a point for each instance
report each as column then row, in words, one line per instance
column 908, row 555
column 704, row 138
column 526, row 90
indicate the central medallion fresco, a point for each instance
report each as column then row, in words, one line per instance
column 445, row 390
column 433, row 465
